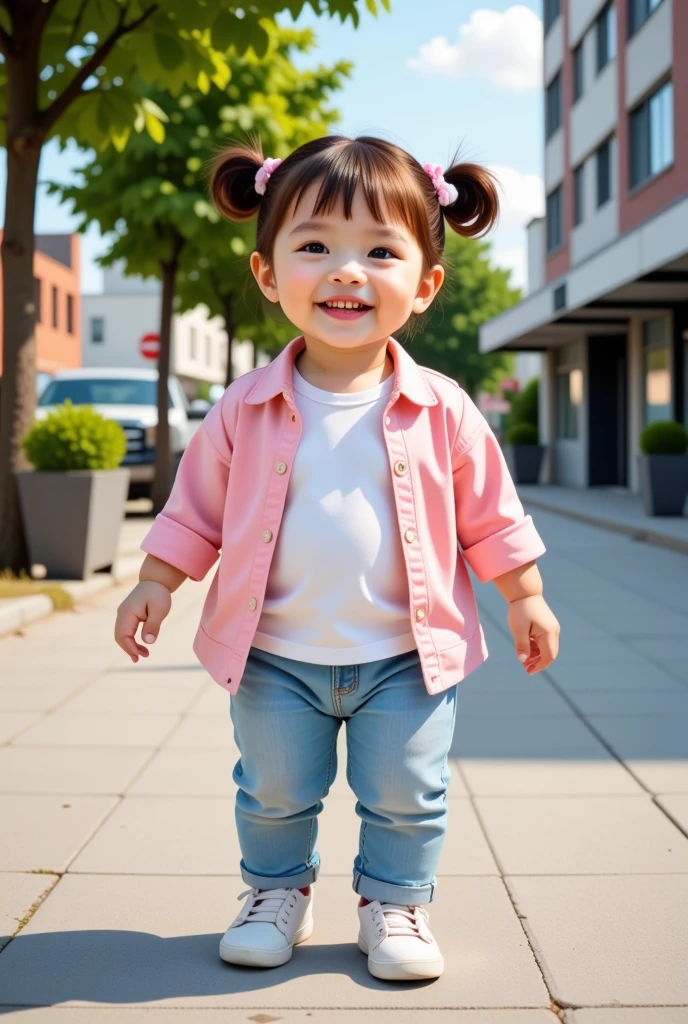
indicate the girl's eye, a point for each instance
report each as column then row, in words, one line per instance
column 379, row 248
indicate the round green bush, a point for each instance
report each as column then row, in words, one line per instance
column 665, row 437
column 74, row 437
column 522, row 433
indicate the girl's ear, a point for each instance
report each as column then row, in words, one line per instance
column 264, row 277
column 428, row 289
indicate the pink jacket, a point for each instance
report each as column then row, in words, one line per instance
column 450, row 482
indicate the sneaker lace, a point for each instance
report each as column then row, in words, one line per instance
column 266, row 904
column 405, row 920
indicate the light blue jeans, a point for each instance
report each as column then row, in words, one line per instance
column 286, row 717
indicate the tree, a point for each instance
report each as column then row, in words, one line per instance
column 67, row 70
column 153, row 196
column 473, row 292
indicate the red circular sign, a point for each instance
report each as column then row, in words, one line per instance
column 149, row 345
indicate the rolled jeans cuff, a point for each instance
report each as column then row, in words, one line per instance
column 389, row 892
column 299, row 881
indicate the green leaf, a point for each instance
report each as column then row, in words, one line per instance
column 203, row 82
column 120, row 138
column 169, row 50
column 222, row 31
column 154, row 127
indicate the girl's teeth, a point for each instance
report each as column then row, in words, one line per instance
column 344, row 305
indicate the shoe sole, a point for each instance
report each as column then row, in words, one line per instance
column 265, row 957
column 404, row 970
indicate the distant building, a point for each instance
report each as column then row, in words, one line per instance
column 608, row 264
column 129, row 308
column 58, row 303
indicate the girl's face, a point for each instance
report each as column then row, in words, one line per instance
column 376, row 264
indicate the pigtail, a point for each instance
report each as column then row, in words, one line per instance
column 233, row 180
column 476, row 209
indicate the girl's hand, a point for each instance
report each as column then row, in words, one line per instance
column 536, row 632
column 149, row 602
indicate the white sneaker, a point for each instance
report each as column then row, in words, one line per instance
column 268, row 927
column 398, row 942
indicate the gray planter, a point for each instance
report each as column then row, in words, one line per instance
column 663, row 483
column 72, row 520
column 524, row 462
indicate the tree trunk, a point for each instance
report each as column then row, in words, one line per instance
column 162, row 484
column 18, row 397
column 230, row 327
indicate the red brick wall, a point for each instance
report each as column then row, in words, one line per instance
column 560, row 261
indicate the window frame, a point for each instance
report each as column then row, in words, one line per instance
column 37, row 299
column 600, row 199
column 554, row 88
column 578, row 71
column 606, row 29
column 54, row 319
column 550, row 13
column 648, row 9
column 579, row 194
column 92, row 333
column 70, row 313
column 640, row 139
column 553, row 247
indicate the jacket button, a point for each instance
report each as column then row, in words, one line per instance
column 410, row 536
column 267, row 536
column 399, row 468
column 281, row 467
column 420, row 613
column 252, row 603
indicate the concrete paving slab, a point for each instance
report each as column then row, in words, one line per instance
column 629, row 1015
column 63, row 729
column 212, row 700
column 515, row 738
column 43, row 833
column 638, row 674
column 18, row 894
column 72, row 771
column 659, row 648
column 171, row 677
column 490, row 701
column 631, row 702
column 545, row 777
column 179, row 772
column 153, row 942
column 261, row 1015
column 465, row 850
column 102, row 697
column 13, row 723
column 582, row 835
column 37, row 698
column 677, row 806
column 19, row 677
column 201, row 731
column 655, row 749
column 603, row 940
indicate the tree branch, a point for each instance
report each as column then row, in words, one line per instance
column 51, row 114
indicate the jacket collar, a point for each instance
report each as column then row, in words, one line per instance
column 277, row 376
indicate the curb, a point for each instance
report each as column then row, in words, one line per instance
column 14, row 614
column 638, row 533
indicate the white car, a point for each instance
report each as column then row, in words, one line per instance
column 129, row 396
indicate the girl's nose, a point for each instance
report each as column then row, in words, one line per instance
column 349, row 273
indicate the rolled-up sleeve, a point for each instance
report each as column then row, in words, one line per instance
column 494, row 532
column 188, row 531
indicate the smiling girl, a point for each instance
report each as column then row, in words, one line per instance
column 349, row 488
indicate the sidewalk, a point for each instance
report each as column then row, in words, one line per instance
column 563, row 887
column 611, row 509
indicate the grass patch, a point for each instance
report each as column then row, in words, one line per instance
column 24, row 586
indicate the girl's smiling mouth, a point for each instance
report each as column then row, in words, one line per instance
column 338, row 312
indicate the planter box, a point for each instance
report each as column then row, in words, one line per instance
column 524, row 461
column 72, row 520
column 663, row 483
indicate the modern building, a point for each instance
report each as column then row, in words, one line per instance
column 128, row 309
column 607, row 303
column 58, row 303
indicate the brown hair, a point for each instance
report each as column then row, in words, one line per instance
column 390, row 177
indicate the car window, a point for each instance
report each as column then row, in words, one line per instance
column 102, row 391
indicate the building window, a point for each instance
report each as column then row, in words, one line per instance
column 552, row 10
column 652, row 135
column 605, row 34
column 192, row 342
column 569, row 388
column 54, row 294
column 553, row 105
column 97, row 330
column 579, row 195
column 578, row 72
column 657, row 370
column 37, row 299
column 70, row 314
column 638, row 13
column 554, row 219
column 603, row 167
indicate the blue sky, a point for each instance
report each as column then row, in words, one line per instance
column 430, row 77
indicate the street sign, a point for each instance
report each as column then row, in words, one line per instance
column 509, row 384
column 149, row 345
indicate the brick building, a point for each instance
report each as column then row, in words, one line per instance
column 608, row 264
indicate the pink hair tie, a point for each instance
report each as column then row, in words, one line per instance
column 264, row 173
column 446, row 192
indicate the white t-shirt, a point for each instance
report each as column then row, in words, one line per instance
column 337, row 592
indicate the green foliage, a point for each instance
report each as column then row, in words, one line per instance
column 522, row 433
column 74, row 437
column 665, row 437
column 524, row 406
column 447, row 338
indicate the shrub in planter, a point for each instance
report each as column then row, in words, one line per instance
column 72, row 503
column 663, row 465
column 523, row 454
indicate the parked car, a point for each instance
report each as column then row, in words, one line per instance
column 129, row 396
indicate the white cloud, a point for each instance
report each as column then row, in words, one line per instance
column 522, row 196
column 504, row 47
column 515, row 260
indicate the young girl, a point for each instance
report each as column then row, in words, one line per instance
column 337, row 481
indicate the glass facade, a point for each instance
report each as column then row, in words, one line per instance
column 657, row 370
column 652, row 135
column 569, row 390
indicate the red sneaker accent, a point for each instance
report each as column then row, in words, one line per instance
column 363, row 902
column 306, row 891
